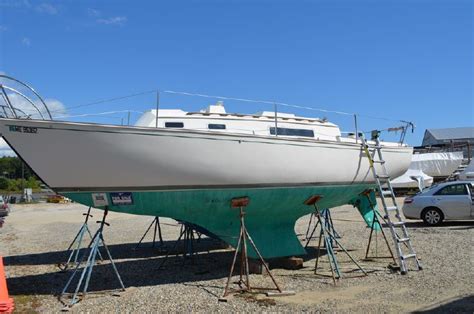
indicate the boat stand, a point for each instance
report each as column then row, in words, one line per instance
column 156, row 228
column 83, row 283
column 373, row 227
column 187, row 233
column 328, row 237
column 75, row 247
column 244, row 280
column 329, row 226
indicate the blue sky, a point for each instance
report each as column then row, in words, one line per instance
column 409, row 60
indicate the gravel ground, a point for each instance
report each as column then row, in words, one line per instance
column 34, row 238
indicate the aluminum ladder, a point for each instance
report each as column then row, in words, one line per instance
column 392, row 212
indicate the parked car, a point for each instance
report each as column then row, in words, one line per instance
column 55, row 198
column 444, row 201
column 4, row 209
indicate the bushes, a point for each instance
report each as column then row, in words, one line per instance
column 4, row 183
column 10, row 167
column 11, row 172
column 16, row 185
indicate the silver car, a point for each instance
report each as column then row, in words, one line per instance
column 445, row 201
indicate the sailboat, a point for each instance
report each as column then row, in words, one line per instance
column 190, row 165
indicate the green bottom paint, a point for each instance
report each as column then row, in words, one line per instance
column 270, row 216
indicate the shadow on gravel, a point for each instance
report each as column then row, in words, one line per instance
column 138, row 268
column 118, row 251
column 141, row 270
column 462, row 305
column 458, row 225
column 127, row 250
column 134, row 273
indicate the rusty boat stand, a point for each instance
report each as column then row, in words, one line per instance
column 91, row 252
column 329, row 238
column 244, row 279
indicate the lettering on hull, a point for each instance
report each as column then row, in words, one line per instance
column 121, row 198
column 22, row 129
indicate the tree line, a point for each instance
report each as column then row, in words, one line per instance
column 14, row 177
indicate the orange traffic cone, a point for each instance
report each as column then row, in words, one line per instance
column 6, row 303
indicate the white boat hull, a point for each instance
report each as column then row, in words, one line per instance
column 75, row 156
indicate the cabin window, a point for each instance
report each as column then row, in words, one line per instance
column 216, row 126
column 292, row 132
column 174, row 125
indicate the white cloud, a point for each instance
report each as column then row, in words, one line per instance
column 44, row 7
column 15, row 3
column 47, row 8
column 100, row 19
column 93, row 12
column 5, row 149
column 26, row 41
column 116, row 20
column 56, row 107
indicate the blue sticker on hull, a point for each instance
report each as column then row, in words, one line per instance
column 121, row 198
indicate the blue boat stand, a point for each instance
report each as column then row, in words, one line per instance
column 75, row 247
column 328, row 236
column 329, row 226
column 93, row 250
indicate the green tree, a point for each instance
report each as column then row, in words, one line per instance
column 4, row 184
column 32, row 183
column 11, row 167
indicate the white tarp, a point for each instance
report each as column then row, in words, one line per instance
column 437, row 164
column 468, row 173
column 410, row 179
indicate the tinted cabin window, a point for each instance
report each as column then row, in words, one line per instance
column 174, row 124
column 216, row 126
column 455, row 189
column 292, row 132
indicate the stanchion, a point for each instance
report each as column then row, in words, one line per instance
column 244, row 279
column 97, row 240
column 75, row 247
